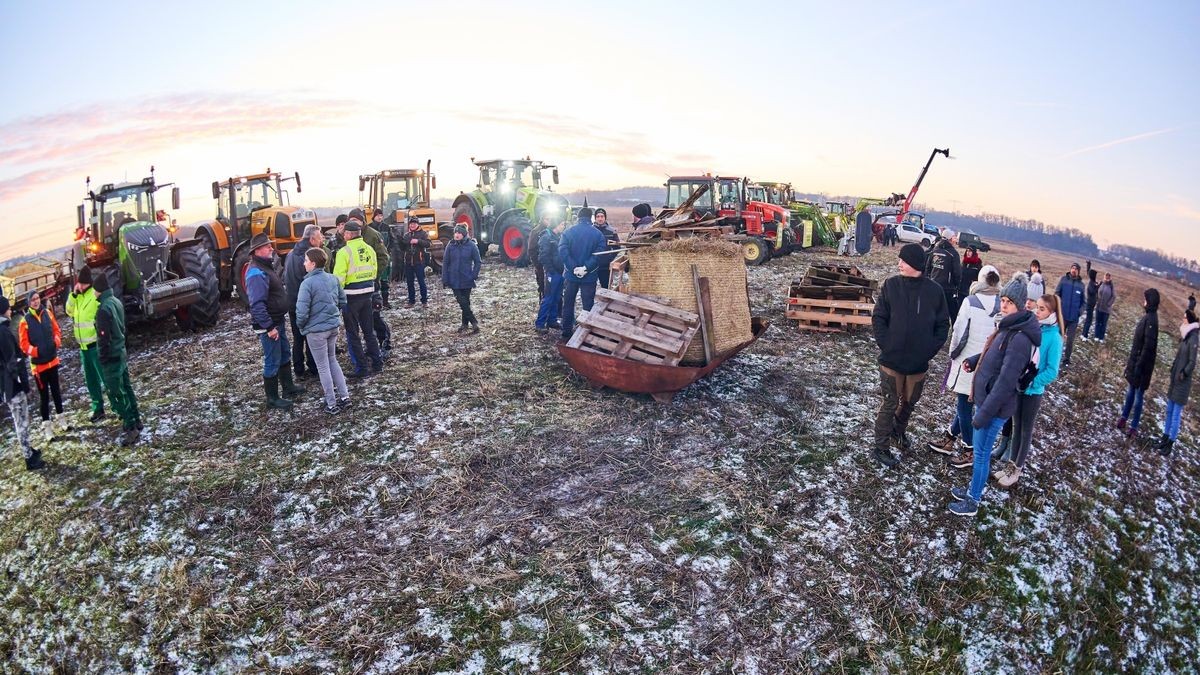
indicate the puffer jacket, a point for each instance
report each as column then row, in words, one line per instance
column 319, row 303
column 1184, row 365
column 976, row 323
column 1139, row 368
column 1105, row 297
column 910, row 322
column 460, row 264
column 1070, row 290
column 551, row 262
column 998, row 369
column 1049, row 360
column 578, row 247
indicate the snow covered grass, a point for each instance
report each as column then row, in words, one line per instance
column 482, row 509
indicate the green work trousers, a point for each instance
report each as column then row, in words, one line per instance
column 120, row 392
column 90, row 358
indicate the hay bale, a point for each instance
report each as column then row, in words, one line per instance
column 665, row 269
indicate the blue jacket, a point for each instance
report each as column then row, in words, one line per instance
column 1049, row 358
column 1070, row 291
column 999, row 368
column 578, row 247
column 266, row 295
column 319, row 302
column 548, row 252
column 460, row 264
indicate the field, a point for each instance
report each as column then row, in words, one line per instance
column 482, row 509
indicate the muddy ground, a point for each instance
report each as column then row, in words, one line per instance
column 482, row 509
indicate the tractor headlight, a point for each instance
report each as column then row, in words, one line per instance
column 505, row 188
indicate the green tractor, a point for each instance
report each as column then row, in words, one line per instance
column 133, row 244
column 506, row 203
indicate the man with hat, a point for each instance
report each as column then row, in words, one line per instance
column 943, row 268
column 911, row 323
column 114, row 364
column 610, row 239
column 268, row 300
column 82, row 304
column 577, row 248
column 643, row 216
column 1070, row 293
column 14, row 386
column 414, row 256
column 355, row 268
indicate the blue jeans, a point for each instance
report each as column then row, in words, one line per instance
column 1174, row 417
column 984, row 439
column 1089, row 314
column 1133, row 403
column 275, row 352
column 966, row 410
column 415, row 275
column 586, row 290
column 551, row 301
column 1101, row 324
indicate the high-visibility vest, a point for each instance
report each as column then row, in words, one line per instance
column 356, row 263
column 82, row 309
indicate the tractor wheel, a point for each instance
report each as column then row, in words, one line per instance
column 446, row 233
column 465, row 214
column 240, row 262
column 755, row 250
column 206, row 240
column 514, row 241
column 789, row 241
column 195, row 262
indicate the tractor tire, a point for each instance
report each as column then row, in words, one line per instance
column 194, row 261
column 206, row 240
column 446, row 233
column 514, row 241
column 789, row 241
column 466, row 214
column 240, row 262
column 755, row 251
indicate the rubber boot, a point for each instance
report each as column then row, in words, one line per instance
column 34, row 461
column 291, row 390
column 474, row 326
column 1167, row 446
column 271, row 388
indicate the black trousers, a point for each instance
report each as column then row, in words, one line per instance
column 47, row 386
column 301, row 356
column 463, row 296
column 359, row 318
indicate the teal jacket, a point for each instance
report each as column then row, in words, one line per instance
column 1048, row 361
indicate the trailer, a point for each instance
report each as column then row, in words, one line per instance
column 46, row 276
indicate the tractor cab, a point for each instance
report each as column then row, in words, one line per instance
column 779, row 194
column 763, row 227
column 404, row 194
column 510, row 197
column 121, row 211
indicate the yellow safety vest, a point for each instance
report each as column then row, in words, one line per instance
column 355, row 263
column 82, row 310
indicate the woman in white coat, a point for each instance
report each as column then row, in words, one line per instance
column 975, row 323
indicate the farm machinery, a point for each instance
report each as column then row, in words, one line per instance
column 246, row 206
column 133, row 245
column 403, row 194
column 508, row 199
column 762, row 228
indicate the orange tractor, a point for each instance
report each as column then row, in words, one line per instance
column 404, row 194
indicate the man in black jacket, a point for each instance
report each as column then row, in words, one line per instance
column 293, row 275
column 943, row 268
column 414, row 253
column 600, row 220
column 911, row 323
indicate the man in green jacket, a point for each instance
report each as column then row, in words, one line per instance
column 81, row 307
column 114, row 368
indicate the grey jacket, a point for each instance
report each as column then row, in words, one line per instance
column 319, row 303
column 1183, row 368
column 1105, row 297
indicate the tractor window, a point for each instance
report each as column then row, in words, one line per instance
column 678, row 193
column 403, row 193
column 254, row 195
column 122, row 206
column 756, row 194
column 729, row 194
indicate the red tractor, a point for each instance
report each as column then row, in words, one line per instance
column 764, row 227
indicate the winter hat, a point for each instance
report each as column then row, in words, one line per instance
column 101, row 283
column 641, row 211
column 341, row 219
column 460, row 229
column 585, row 213
column 356, row 213
column 3, row 305
column 1017, row 290
column 85, row 276
column 914, row 255
column 353, row 226
column 414, row 219
column 378, row 212
column 599, row 211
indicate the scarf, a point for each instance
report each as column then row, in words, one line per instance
column 1185, row 328
column 1051, row 320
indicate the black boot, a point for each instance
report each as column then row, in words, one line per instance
column 885, row 457
column 291, row 390
column 474, row 326
column 271, row 388
column 1167, row 446
column 34, row 461
column 97, row 416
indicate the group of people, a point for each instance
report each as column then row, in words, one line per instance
column 1007, row 344
column 570, row 263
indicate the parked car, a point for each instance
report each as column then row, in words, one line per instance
column 911, row 233
column 966, row 239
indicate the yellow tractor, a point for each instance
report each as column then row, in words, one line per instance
column 246, row 206
column 404, row 194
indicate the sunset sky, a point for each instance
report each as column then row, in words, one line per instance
column 1081, row 115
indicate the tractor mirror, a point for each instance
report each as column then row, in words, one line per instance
column 554, row 175
column 298, row 182
column 79, row 216
column 175, row 199
column 362, row 184
column 432, row 184
column 216, row 190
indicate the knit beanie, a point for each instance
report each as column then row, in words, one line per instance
column 101, row 283
column 1017, row 290
column 641, row 211
column 914, row 255
column 600, row 210
column 4, row 307
column 85, row 276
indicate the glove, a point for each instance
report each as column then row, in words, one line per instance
column 377, row 300
column 580, row 271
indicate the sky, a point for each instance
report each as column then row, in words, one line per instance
column 1083, row 115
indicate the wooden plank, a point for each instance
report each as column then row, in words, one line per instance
column 705, row 335
column 825, row 317
column 623, row 350
column 820, row 329
column 641, row 303
column 840, row 304
column 846, row 279
column 648, row 336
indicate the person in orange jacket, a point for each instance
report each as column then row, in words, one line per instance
column 40, row 340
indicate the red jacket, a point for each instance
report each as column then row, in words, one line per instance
column 972, row 259
column 43, row 349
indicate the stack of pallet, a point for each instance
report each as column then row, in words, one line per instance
column 832, row 297
column 682, row 222
column 635, row 328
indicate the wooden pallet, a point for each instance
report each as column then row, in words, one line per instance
column 635, row 328
column 822, row 277
column 847, row 293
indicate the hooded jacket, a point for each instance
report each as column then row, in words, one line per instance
column 460, row 264
column 14, row 374
column 1093, row 286
column 1049, row 360
column 998, row 370
column 975, row 324
column 1070, row 291
column 1106, row 295
column 578, row 247
column 911, row 322
column 942, row 266
column 1184, row 365
column 1140, row 366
